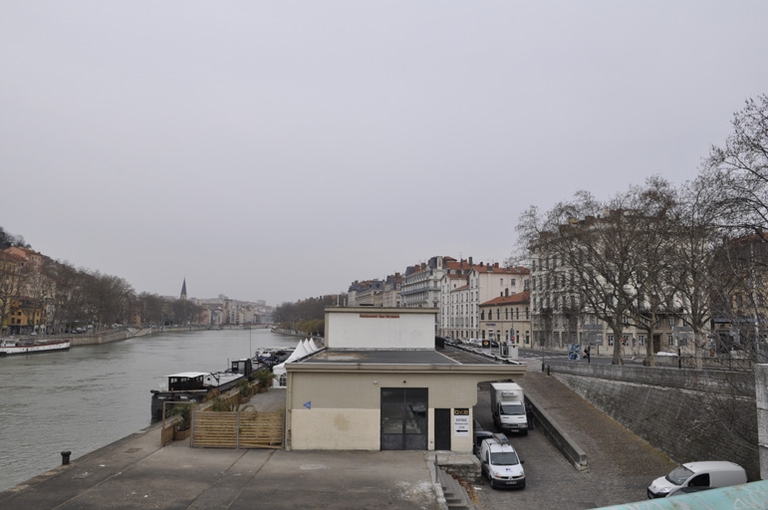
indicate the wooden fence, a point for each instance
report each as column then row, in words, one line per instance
column 166, row 433
column 243, row 429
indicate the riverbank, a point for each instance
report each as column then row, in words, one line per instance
column 124, row 333
column 291, row 332
column 92, row 395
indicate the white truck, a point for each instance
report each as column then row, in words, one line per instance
column 508, row 407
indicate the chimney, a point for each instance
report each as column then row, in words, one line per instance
column 470, row 261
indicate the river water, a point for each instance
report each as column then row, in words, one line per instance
column 85, row 398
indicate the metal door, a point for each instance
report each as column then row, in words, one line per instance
column 442, row 429
column 404, row 424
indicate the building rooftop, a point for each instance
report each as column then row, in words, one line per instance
column 389, row 356
column 448, row 356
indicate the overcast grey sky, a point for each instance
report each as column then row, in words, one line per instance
column 280, row 150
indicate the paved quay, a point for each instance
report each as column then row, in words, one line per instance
column 136, row 473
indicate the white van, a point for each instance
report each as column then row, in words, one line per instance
column 501, row 464
column 694, row 476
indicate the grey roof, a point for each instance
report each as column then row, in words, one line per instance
column 397, row 356
column 370, row 356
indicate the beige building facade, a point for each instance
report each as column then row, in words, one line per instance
column 381, row 383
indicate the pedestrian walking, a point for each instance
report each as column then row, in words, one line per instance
column 529, row 415
column 587, row 354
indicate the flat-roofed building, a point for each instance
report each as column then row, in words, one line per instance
column 380, row 383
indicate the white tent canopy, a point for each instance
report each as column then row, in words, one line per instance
column 303, row 349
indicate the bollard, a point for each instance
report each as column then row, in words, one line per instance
column 542, row 365
column 547, row 369
column 65, row 457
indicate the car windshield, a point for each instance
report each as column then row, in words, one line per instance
column 517, row 409
column 679, row 475
column 504, row 459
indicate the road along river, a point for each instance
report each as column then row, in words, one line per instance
column 82, row 399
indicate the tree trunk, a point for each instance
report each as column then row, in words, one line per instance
column 618, row 359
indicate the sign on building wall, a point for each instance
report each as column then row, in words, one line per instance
column 461, row 422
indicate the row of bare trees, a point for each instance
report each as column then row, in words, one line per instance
column 58, row 298
column 306, row 316
column 698, row 252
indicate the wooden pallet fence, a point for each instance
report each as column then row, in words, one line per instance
column 166, row 434
column 237, row 429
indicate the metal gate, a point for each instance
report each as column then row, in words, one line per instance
column 404, row 423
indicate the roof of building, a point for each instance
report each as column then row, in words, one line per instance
column 496, row 269
column 388, row 356
column 514, row 299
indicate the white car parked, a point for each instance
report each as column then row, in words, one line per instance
column 693, row 476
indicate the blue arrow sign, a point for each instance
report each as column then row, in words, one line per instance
column 308, row 405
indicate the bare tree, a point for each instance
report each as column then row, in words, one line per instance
column 600, row 243
column 695, row 275
column 62, row 309
column 10, row 286
column 305, row 316
column 152, row 309
column 37, row 288
column 738, row 171
column 736, row 178
column 655, row 205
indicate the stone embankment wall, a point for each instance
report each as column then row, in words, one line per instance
column 688, row 414
column 115, row 335
column 105, row 337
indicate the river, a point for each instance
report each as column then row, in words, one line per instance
column 85, row 398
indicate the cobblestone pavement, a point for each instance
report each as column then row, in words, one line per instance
column 621, row 465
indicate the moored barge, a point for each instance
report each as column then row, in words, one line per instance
column 10, row 347
column 193, row 387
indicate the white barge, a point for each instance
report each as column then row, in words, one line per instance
column 9, row 347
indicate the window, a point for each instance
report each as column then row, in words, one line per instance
column 512, row 282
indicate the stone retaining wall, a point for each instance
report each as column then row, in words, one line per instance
column 688, row 414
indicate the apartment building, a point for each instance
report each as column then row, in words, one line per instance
column 391, row 296
column 366, row 293
column 507, row 319
column 463, row 293
column 421, row 283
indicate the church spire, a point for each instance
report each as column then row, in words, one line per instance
column 183, row 296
